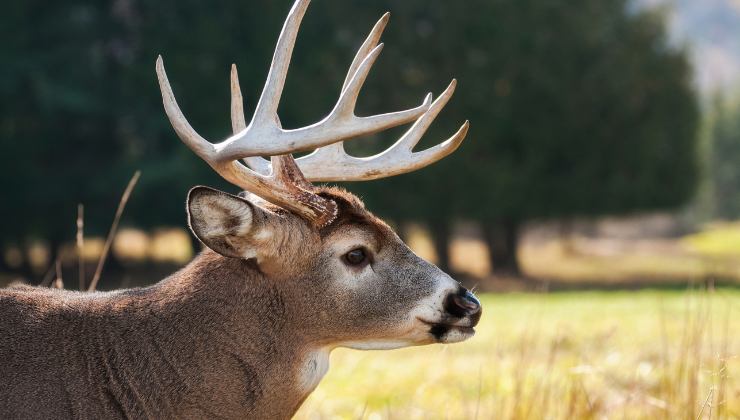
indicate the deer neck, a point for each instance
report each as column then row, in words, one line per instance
column 227, row 336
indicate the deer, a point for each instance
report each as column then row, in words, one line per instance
column 290, row 271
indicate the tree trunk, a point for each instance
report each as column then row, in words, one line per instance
column 567, row 236
column 502, row 239
column 25, row 270
column 54, row 245
column 440, row 232
column 113, row 264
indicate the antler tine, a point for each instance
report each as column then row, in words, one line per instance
column 411, row 138
column 187, row 134
column 266, row 111
column 238, row 123
column 348, row 99
column 367, row 46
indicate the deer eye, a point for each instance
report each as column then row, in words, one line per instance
column 357, row 256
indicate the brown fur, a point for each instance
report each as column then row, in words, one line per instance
column 222, row 338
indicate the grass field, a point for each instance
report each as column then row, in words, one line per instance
column 631, row 355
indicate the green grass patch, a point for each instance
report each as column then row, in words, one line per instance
column 718, row 240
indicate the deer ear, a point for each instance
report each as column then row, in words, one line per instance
column 223, row 222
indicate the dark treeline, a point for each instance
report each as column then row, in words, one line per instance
column 577, row 108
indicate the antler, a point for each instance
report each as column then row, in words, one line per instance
column 281, row 180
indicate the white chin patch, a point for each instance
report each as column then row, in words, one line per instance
column 377, row 345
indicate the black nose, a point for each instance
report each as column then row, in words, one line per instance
column 463, row 303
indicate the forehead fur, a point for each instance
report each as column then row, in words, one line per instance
column 351, row 211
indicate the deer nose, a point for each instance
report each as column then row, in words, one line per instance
column 462, row 304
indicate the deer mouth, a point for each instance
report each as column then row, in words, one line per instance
column 444, row 332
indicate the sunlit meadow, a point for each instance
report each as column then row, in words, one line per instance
column 633, row 355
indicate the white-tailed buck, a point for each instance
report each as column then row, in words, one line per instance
column 292, row 271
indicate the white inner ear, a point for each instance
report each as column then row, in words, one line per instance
column 224, row 217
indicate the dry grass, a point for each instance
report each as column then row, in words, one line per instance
column 111, row 235
column 641, row 355
column 651, row 264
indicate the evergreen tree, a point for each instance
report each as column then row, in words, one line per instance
column 723, row 160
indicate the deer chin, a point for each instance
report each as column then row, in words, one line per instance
column 419, row 332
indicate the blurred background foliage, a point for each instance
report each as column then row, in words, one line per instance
column 577, row 110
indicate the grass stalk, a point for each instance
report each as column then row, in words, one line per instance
column 113, row 230
column 80, row 241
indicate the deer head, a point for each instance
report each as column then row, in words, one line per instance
column 357, row 283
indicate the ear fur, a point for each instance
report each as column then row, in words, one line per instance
column 223, row 222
